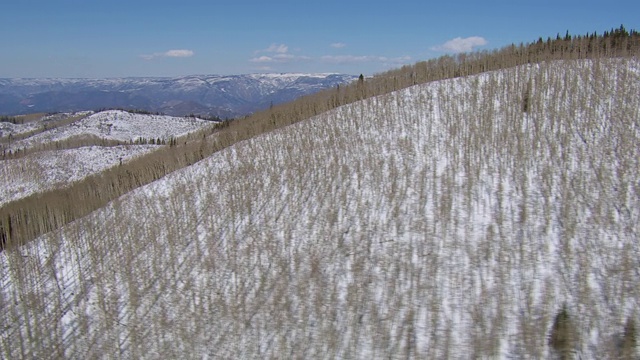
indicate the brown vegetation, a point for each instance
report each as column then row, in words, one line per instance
column 564, row 336
column 44, row 127
column 442, row 221
column 35, row 215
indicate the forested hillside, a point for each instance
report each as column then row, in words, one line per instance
column 22, row 220
column 479, row 206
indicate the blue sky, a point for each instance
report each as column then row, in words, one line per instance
column 91, row 38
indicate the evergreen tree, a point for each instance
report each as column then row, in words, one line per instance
column 629, row 340
column 563, row 337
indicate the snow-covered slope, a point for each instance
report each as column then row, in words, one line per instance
column 52, row 169
column 45, row 170
column 9, row 130
column 116, row 125
column 441, row 221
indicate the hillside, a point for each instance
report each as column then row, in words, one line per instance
column 114, row 125
column 53, row 169
column 39, row 156
column 451, row 219
column 212, row 95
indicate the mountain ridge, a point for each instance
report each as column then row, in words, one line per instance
column 224, row 96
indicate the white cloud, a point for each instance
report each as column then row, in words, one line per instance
column 396, row 61
column 274, row 48
column 279, row 58
column 179, row 53
column 459, row 44
column 284, row 57
column 171, row 53
column 346, row 59
column 262, row 59
column 278, row 53
column 353, row 59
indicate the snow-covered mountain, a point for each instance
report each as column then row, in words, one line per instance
column 213, row 95
column 454, row 219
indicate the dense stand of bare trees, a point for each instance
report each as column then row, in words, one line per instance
column 22, row 220
column 481, row 217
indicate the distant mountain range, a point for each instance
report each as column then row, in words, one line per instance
column 212, row 95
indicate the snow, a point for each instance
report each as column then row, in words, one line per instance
column 439, row 221
column 9, row 129
column 117, row 125
column 131, row 83
column 48, row 170
column 291, row 76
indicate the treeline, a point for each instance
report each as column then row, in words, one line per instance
column 71, row 143
column 21, row 119
column 171, row 141
column 11, row 154
column 131, row 111
column 146, row 112
column 11, row 119
column 206, row 117
column 27, row 218
column 614, row 43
